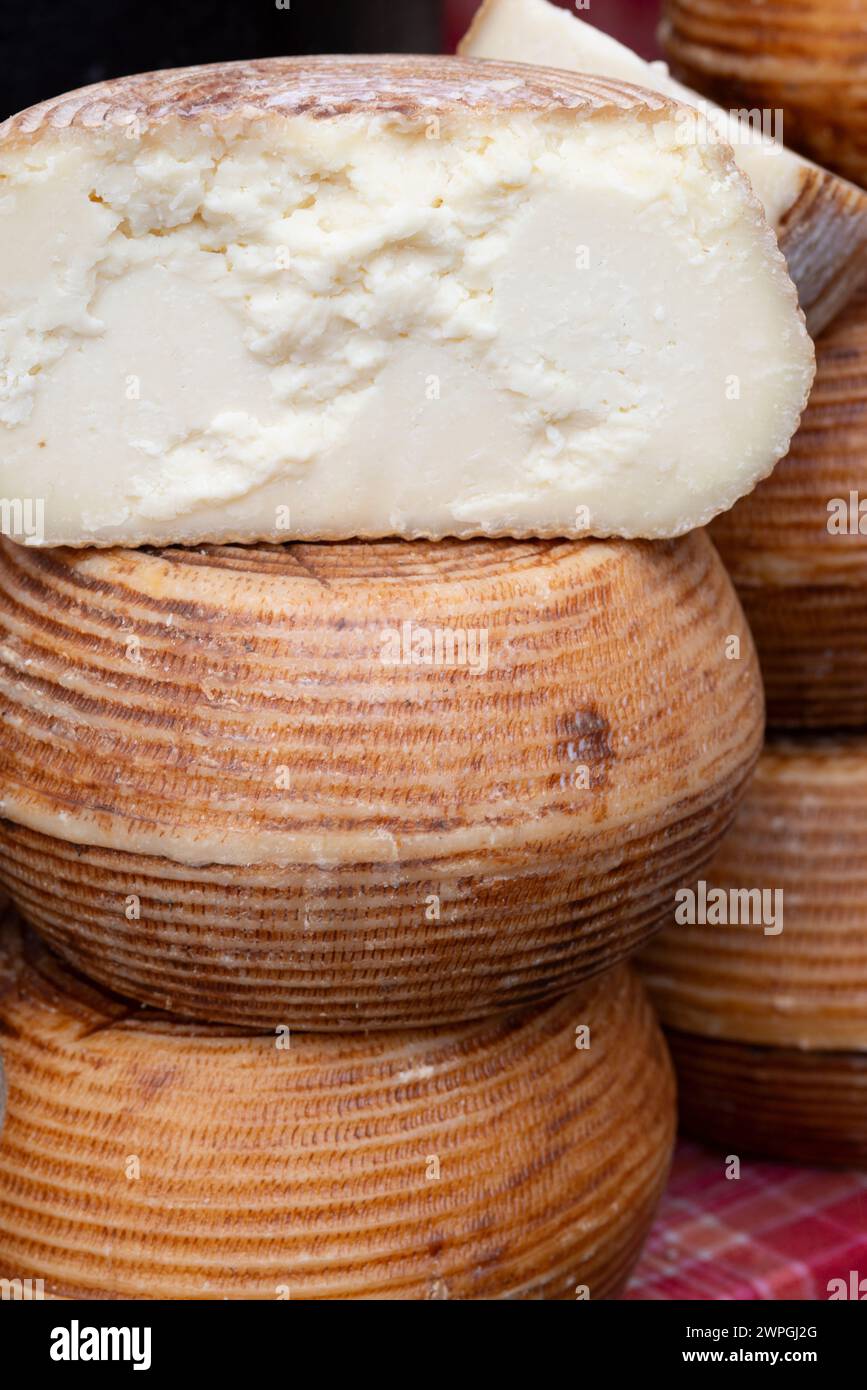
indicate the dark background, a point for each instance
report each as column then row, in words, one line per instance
column 52, row 46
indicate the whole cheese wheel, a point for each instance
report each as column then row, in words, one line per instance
column 365, row 785
column 146, row 1157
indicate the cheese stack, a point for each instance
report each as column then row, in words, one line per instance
column 789, row 1078
column 366, row 688
column 220, row 801
column 774, row 1057
column 765, row 1014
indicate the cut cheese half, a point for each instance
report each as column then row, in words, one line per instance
column 362, row 297
column 820, row 219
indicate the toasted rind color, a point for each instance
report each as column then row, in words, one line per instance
column 219, row 799
column 802, row 584
column 800, row 830
column 820, row 219
column 808, row 57
column 404, row 86
column 496, row 1160
column 774, row 1102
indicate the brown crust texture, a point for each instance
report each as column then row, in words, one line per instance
column 801, row 829
column 804, row 587
column 219, row 799
column 407, row 87
column 808, row 57
column 148, row 1158
column 823, row 237
column 801, row 1107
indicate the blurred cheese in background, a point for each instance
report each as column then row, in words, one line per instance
column 820, row 219
column 632, row 22
column 808, row 56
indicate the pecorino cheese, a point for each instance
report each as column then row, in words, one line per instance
column 360, row 297
column 820, row 219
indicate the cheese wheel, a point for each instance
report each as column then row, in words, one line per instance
column 764, row 993
column 820, row 219
column 807, row 57
column 325, row 298
column 789, row 970
column 796, row 548
column 774, row 1102
column 365, row 784
column 146, row 1157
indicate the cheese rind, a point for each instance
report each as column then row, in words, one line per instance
column 820, row 218
column 321, row 299
column 296, row 745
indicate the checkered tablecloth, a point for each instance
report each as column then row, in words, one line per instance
column 775, row 1232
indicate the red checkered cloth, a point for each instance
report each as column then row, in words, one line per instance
column 777, row 1231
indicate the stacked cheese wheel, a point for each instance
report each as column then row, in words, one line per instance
column 767, row 1024
column 367, row 691
column 761, row 975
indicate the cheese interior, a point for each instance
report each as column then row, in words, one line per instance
column 535, row 31
column 511, row 324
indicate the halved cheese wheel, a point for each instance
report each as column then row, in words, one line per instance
column 325, row 298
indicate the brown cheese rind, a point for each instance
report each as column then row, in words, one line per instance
column 287, row 808
column 410, row 87
column 493, row 1160
column 800, row 830
column 773, row 1102
column 803, row 583
column 823, row 237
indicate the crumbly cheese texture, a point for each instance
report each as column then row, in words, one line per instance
column 535, row 31
column 515, row 323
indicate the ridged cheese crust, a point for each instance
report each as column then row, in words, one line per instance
column 145, row 1157
column 802, row 582
column 823, row 236
column 807, row 56
column 774, row 1102
column 801, row 829
column 408, row 87
column 219, row 797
